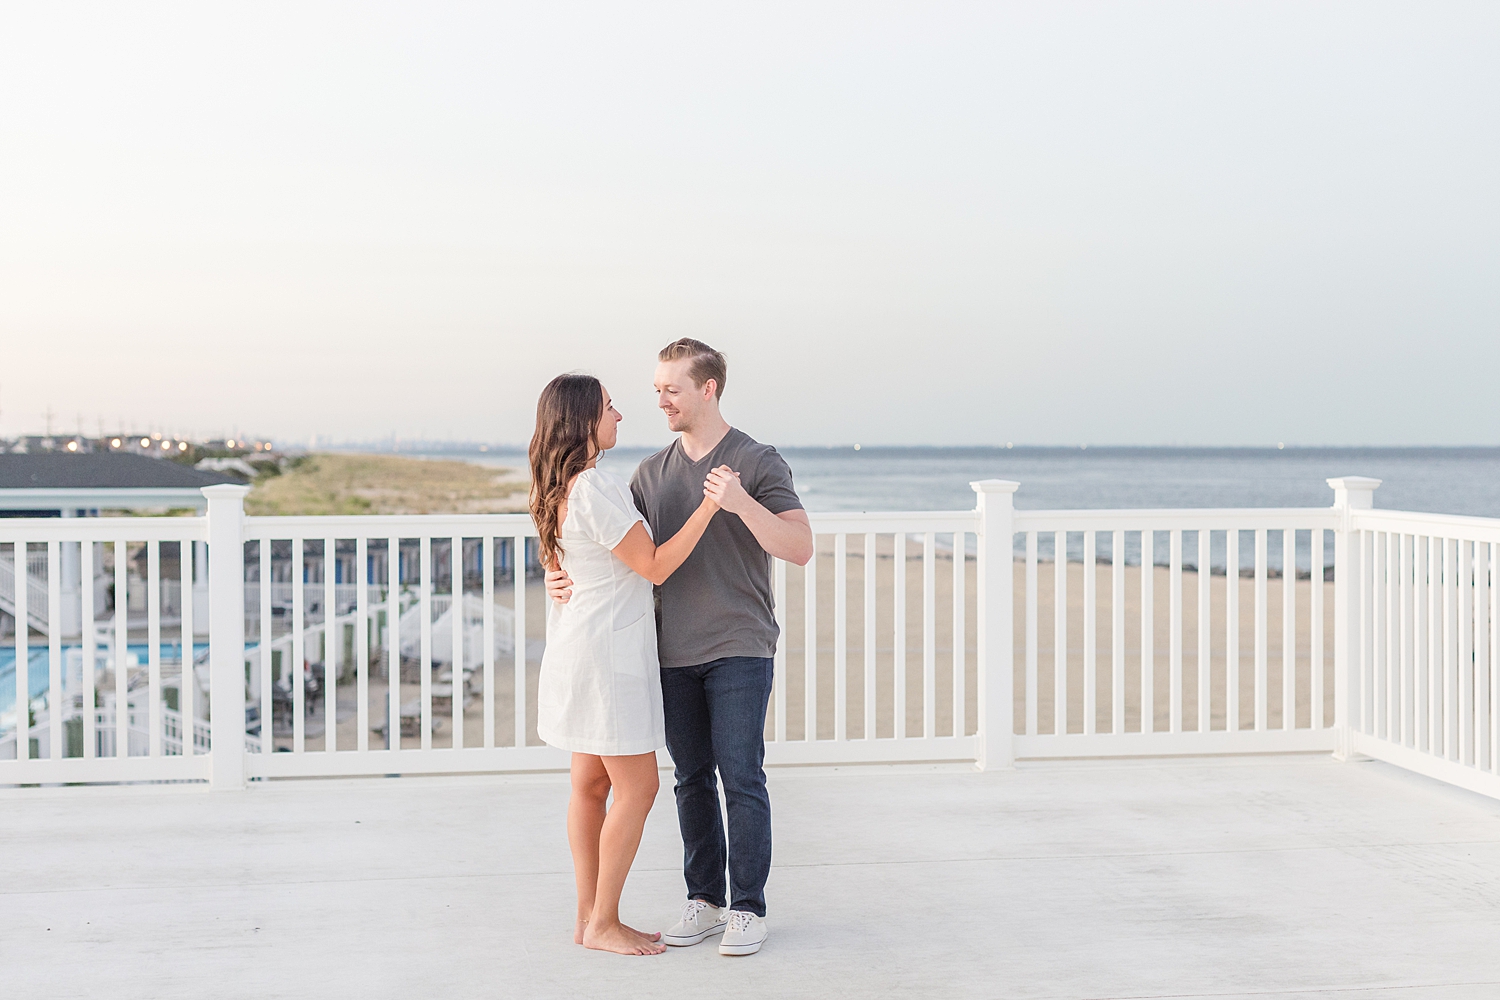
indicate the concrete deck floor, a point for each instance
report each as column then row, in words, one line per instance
column 1287, row 877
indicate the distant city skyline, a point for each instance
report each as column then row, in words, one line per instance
column 937, row 223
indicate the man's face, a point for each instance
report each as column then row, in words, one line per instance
column 683, row 402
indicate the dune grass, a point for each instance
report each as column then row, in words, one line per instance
column 387, row 484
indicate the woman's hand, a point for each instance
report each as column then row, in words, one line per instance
column 559, row 586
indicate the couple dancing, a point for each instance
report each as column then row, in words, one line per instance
column 623, row 675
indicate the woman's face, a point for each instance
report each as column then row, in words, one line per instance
column 608, row 431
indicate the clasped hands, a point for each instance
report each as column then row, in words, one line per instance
column 722, row 488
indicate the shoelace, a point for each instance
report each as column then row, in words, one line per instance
column 739, row 920
column 692, row 909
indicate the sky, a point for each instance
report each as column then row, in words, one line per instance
column 904, row 223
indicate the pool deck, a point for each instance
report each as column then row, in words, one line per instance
column 1276, row 876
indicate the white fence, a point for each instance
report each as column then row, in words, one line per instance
column 981, row 636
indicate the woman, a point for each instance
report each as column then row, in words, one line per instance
column 600, row 691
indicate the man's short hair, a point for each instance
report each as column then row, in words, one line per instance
column 706, row 363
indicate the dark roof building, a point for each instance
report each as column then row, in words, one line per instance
column 49, row 483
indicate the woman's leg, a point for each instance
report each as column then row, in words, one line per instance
column 634, row 780
column 585, row 818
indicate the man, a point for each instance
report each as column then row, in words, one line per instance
column 716, row 635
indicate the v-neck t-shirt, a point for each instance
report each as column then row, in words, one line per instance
column 719, row 602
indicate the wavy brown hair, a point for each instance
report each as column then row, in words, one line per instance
column 567, row 422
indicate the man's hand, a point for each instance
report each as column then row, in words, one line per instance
column 559, row 586
column 723, row 487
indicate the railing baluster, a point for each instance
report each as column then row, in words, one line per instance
column 1494, row 675
column 1288, row 629
column 1421, row 629
column 121, row 651
column 1261, row 684
column 153, row 648
column 1481, row 656
column 1377, row 633
column 1148, row 631
column 55, row 699
column 1090, row 633
column 362, row 643
column 1465, row 651
column 1315, row 648
column 869, row 635
column 1205, row 652
column 1436, row 638
column 1392, row 660
column 1174, row 633
column 779, row 663
column 1117, row 632
column 456, row 631
column 487, row 564
column 810, row 646
column 1031, row 636
column 23, row 651
column 1232, row 630
column 520, row 707
column 185, row 629
column 840, row 636
column 929, row 635
column 1060, row 632
column 393, row 643
column 267, row 697
column 1366, row 541
column 331, row 645
column 960, row 580
column 898, row 659
column 1404, row 600
column 90, row 649
column 1442, row 636
column 1450, row 653
column 299, row 646
column 424, row 600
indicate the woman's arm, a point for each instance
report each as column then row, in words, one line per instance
column 657, row 562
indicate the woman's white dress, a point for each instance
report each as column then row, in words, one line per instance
column 600, row 687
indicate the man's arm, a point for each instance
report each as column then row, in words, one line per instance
column 787, row 535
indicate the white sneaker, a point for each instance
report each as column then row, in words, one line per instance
column 744, row 934
column 699, row 920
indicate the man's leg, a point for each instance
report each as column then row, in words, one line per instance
column 738, row 690
column 689, row 743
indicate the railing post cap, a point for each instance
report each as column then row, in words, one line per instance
column 995, row 486
column 1354, row 483
column 225, row 491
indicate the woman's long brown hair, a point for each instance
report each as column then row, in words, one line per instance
column 567, row 422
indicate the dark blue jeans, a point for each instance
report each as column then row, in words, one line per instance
column 715, row 719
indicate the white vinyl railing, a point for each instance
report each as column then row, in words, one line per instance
column 406, row 689
column 98, row 542
column 1421, row 689
column 875, row 661
column 985, row 636
column 1199, row 644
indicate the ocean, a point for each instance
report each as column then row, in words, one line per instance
column 874, row 478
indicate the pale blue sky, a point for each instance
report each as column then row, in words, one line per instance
column 905, row 223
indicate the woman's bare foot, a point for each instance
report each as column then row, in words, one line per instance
column 583, row 923
column 619, row 939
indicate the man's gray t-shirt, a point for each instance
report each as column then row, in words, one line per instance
column 719, row 602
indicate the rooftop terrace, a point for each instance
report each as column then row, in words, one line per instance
column 1290, row 876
